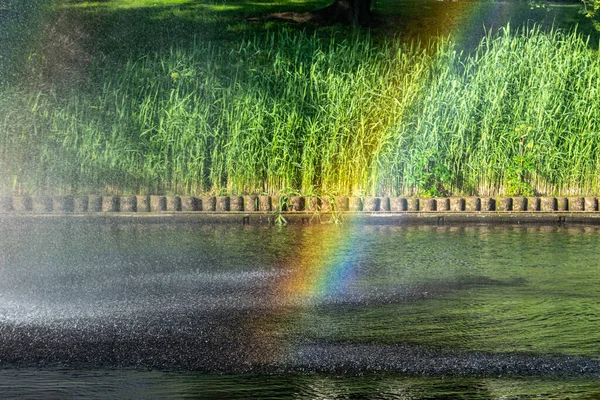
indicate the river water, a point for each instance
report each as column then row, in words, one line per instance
column 134, row 308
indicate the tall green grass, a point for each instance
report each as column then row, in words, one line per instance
column 293, row 112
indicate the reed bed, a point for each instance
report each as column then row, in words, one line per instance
column 291, row 112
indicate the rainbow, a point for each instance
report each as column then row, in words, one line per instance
column 322, row 269
column 325, row 271
column 325, row 268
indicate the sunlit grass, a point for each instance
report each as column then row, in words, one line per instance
column 123, row 4
column 297, row 113
column 240, row 6
column 187, row 97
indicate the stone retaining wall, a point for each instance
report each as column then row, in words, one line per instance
column 294, row 204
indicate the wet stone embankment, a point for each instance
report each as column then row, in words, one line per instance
column 132, row 204
column 490, row 209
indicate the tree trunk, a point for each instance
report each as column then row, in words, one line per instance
column 352, row 12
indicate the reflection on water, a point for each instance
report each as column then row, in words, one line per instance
column 314, row 305
column 160, row 385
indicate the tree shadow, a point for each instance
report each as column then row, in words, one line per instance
column 153, row 28
column 74, row 33
column 131, row 31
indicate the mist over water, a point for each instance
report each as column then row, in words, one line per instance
column 471, row 303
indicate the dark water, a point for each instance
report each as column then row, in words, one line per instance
column 144, row 309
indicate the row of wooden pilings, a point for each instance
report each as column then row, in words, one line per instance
column 84, row 204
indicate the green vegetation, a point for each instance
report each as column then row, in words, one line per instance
column 269, row 108
column 591, row 8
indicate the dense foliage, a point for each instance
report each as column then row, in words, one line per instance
column 292, row 112
column 591, row 8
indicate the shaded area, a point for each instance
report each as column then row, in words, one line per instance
column 220, row 343
column 118, row 31
column 158, row 26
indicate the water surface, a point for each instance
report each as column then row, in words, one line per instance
column 178, row 309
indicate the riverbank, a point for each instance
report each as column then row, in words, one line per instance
column 303, row 110
column 248, row 210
